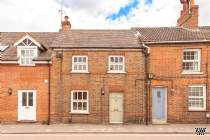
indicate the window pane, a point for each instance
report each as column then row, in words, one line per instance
column 79, row 105
column 30, row 99
column 84, row 106
column 74, row 105
column 84, row 95
column 84, row 59
column 84, row 67
column 31, row 53
column 116, row 67
column 75, row 95
column 120, row 59
column 79, row 95
column 116, row 60
column 75, row 67
column 22, row 52
column 75, row 59
column 121, row 67
column 111, row 67
column 112, row 59
column 24, row 98
column 79, row 59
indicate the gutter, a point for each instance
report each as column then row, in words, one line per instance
column 177, row 42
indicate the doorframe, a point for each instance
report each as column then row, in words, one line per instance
column 166, row 105
column 35, row 105
column 122, row 108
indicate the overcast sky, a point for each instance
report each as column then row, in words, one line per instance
column 43, row 15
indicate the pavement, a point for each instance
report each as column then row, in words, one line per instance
column 101, row 129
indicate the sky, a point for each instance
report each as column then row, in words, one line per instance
column 44, row 16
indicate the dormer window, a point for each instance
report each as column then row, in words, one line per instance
column 27, row 50
column 26, row 56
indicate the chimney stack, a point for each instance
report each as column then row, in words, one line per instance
column 66, row 25
column 189, row 14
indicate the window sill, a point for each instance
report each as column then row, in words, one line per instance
column 79, row 113
column 192, row 73
column 116, row 72
column 25, row 65
column 196, row 110
column 79, row 72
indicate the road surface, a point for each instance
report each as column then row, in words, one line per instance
column 103, row 137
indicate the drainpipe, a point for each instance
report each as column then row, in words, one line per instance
column 49, row 103
column 146, row 52
column 60, row 88
column 207, row 84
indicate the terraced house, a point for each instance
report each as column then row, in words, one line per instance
column 139, row 75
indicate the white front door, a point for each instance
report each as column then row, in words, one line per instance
column 116, row 108
column 26, row 105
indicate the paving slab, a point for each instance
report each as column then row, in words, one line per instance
column 105, row 129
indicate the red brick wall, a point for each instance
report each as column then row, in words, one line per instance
column 166, row 63
column 97, row 78
column 22, row 78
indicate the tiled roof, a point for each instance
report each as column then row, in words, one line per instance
column 96, row 39
column 170, row 34
column 9, row 38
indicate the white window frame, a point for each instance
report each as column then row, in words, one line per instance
column 73, row 63
column 20, row 48
column 72, row 100
column 110, row 63
column 204, row 98
column 199, row 62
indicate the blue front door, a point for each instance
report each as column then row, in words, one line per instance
column 159, row 97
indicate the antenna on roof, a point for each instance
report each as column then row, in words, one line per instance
column 61, row 11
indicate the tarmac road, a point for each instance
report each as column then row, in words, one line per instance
column 103, row 137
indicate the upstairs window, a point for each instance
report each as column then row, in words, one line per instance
column 191, row 60
column 27, row 51
column 116, row 64
column 80, row 64
column 27, row 56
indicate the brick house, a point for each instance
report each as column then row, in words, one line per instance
column 98, row 77
column 178, row 70
column 24, row 74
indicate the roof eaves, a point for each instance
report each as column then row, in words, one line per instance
column 177, row 42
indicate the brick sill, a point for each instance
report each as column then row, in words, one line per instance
column 110, row 72
column 73, row 72
column 30, row 65
column 197, row 111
